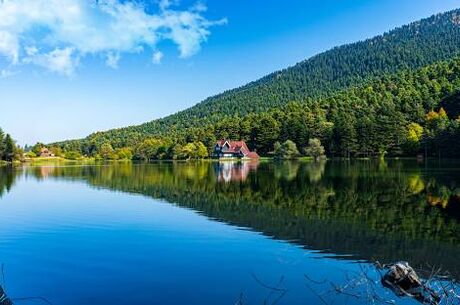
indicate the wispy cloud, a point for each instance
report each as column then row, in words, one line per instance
column 157, row 57
column 57, row 34
column 112, row 60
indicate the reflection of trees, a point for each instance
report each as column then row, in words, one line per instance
column 286, row 170
column 415, row 184
column 316, row 170
column 7, row 179
column 347, row 208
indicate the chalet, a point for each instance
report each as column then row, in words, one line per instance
column 233, row 150
column 45, row 152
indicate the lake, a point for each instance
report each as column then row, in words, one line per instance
column 222, row 233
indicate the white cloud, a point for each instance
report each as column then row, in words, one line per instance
column 31, row 50
column 56, row 34
column 5, row 73
column 112, row 60
column 165, row 4
column 199, row 7
column 9, row 46
column 60, row 60
column 157, row 57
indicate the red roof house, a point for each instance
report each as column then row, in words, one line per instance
column 233, row 149
column 45, row 152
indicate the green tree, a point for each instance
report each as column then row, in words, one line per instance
column 2, row 144
column 31, row 154
column 37, row 148
column 265, row 133
column 9, row 148
column 72, row 155
column 201, row 150
column 345, row 140
column 124, row 153
column 57, row 151
column 314, row 149
column 287, row 150
column 148, row 149
column 188, row 151
column 106, row 151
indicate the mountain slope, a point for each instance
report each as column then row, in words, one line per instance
column 311, row 82
column 409, row 47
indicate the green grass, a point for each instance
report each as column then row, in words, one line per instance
column 56, row 160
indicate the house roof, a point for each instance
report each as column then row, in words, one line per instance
column 234, row 146
column 252, row 155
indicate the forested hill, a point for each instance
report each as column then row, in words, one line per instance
column 412, row 46
column 409, row 47
column 340, row 96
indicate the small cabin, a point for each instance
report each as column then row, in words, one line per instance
column 228, row 149
column 45, row 152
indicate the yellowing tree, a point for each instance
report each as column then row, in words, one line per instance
column 442, row 113
column 414, row 132
column 413, row 137
column 432, row 115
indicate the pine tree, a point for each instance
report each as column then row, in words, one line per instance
column 2, row 144
column 9, row 146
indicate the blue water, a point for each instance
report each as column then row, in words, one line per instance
column 70, row 243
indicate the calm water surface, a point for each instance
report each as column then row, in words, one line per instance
column 210, row 233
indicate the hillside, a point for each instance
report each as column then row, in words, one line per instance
column 405, row 49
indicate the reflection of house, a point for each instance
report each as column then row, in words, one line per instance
column 45, row 152
column 45, row 172
column 232, row 171
column 233, row 149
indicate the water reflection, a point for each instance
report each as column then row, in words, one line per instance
column 7, row 179
column 361, row 210
column 231, row 171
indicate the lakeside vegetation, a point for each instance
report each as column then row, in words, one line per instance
column 396, row 94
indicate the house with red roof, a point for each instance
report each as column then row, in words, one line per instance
column 233, row 150
column 45, row 152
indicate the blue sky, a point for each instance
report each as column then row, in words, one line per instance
column 68, row 68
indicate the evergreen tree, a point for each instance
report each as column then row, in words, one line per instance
column 2, row 144
column 9, row 148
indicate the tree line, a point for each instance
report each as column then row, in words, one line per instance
column 398, row 115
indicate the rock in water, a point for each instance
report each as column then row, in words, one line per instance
column 404, row 281
column 402, row 276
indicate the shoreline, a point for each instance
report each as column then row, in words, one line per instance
column 60, row 160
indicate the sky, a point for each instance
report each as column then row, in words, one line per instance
column 72, row 67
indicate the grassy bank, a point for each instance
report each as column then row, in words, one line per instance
column 56, row 161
